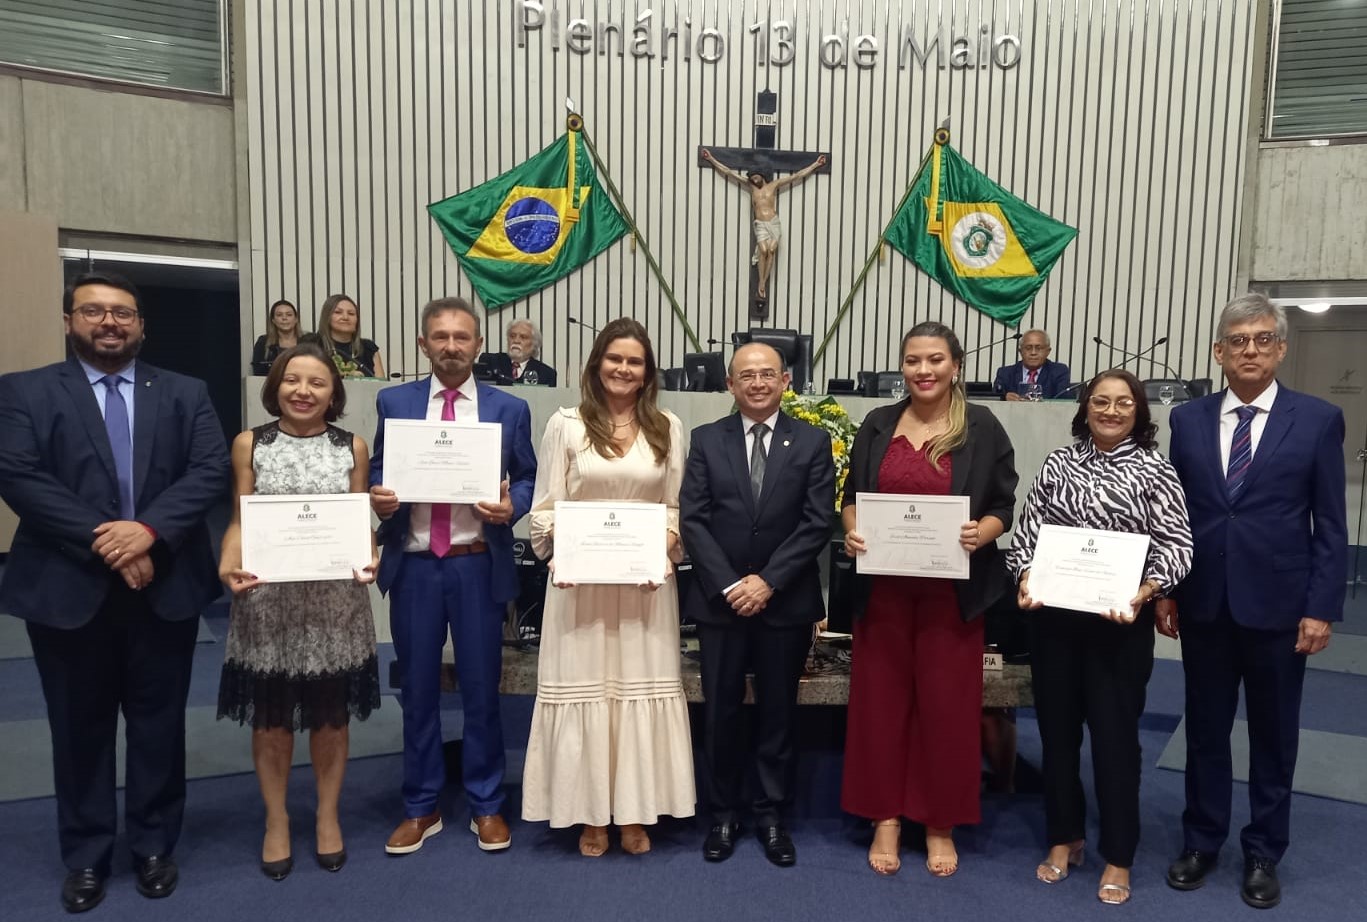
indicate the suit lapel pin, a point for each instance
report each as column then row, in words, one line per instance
column 147, row 384
column 785, row 443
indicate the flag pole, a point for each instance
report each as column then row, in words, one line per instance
column 941, row 137
column 576, row 123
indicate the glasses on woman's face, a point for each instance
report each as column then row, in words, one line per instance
column 1103, row 404
column 1264, row 341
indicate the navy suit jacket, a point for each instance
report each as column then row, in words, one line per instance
column 729, row 535
column 1053, row 379
column 409, row 401
column 1279, row 552
column 57, row 473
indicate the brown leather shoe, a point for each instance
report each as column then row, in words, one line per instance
column 412, row 832
column 492, row 831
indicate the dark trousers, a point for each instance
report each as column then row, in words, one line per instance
column 1086, row 669
column 1216, row 657
column 430, row 598
column 125, row 658
column 777, row 655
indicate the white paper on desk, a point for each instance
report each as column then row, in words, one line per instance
column 289, row 539
column 610, row 543
column 443, row 461
column 1087, row 569
column 910, row 534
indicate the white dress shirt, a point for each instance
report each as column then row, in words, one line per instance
column 1229, row 418
column 749, row 425
column 465, row 528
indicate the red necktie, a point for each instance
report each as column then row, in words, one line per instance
column 440, row 541
column 1031, row 375
column 517, row 369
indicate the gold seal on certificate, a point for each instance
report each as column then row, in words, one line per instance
column 611, row 543
column 1087, row 569
column 911, row 535
column 289, row 539
column 439, row 461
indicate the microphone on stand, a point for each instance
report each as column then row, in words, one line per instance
column 999, row 342
column 716, row 342
column 582, row 323
column 395, row 375
column 1145, row 355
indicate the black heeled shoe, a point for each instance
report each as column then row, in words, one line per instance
column 332, row 861
column 278, row 870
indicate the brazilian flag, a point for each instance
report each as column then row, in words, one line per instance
column 988, row 247
column 529, row 227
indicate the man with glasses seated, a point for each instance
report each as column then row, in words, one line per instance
column 1034, row 377
column 1262, row 467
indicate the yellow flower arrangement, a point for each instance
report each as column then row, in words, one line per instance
column 826, row 413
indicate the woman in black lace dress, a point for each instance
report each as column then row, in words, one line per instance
column 301, row 655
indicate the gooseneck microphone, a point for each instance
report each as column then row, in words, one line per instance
column 998, row 342
column 576, row 320
column 1146, row 355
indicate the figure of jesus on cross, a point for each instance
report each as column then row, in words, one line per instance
column 763, row 196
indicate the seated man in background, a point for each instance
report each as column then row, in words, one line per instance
column 522, row 362
column 1033, row 368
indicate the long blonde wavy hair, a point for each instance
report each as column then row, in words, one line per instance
column 957, row 433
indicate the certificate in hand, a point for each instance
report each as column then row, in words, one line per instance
column 911, row 534
column 289, row 539
column 612, row 543
column 1087, row 569
column 439, row 461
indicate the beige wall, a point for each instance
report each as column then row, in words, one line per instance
column 1310, row 214
column 115, row 162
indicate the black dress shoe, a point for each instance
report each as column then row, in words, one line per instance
column 720, row 841
column 83, row 890
column 1189, row 871
column 278, row 870
column 778, row 845
column 332, row 861
column 157, row 876
column 1261, row 889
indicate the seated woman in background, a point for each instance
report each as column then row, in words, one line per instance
column 282, row 332
column 339, row 324
column 300, row 655
column 1094, row 667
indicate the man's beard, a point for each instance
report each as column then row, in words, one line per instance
column 519, row 355
column 92, row 355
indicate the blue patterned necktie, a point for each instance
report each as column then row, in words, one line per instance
column 120, row 442
column 1240, row 452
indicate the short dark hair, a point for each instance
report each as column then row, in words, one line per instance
column 446, row 305
column 1145, row 429
column 270, row 388
column 112, row 279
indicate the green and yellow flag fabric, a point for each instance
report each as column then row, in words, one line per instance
column 531, row 226
column 988, row 247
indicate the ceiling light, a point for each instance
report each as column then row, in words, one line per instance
column 1315, row 307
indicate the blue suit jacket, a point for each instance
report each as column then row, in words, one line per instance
column 728, row 534
column 1053, row 379
column 1279, row 552
column 409, row 401
column 57, row 472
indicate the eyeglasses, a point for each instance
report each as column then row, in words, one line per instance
column 93, row 313
column 768, row 375
column 1102, row 404
column 1042, row 347
column 1239, row 341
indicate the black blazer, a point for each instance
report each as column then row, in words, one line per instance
column 263, row 356
column 728, row 535
column 983, row 468
column 57, row 473
column 502, row 364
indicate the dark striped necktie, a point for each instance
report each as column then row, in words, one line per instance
column 1240, row 452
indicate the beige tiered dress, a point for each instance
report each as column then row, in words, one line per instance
column 609, row 741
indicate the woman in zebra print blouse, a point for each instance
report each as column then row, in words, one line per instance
column 1090, row 667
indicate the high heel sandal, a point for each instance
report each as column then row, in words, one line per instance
column 886, row 864
column 593, row 841
column 1051, row 873
column 635, row 840
column 941, row 865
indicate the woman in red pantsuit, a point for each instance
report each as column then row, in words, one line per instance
column 912, row 747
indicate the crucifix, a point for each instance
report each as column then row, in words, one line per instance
column 757, row 169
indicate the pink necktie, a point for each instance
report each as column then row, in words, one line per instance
column 517, row 369
column 1033, row 374
column 441, row 512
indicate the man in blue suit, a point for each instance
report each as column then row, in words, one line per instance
column 757, row 501
column 111, row 465
column 450, row 567
column 1033, row 368
column 1263, row 471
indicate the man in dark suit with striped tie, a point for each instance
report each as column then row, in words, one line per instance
column 112, row 466
column 1263, row 471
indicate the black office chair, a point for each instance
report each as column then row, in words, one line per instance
column 795, row 347
column 841, row 386
column 979, row 389
column 1200, row 387
column 1154, row 386
column 879, row 383
column 672, row 379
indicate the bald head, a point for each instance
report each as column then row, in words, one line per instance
column 757, row 380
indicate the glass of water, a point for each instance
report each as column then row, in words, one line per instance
column 899, row 389
column 529, row 377
column 1166, row 394
column 1034, row 392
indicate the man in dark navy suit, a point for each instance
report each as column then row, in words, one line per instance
column 757, row 502
column 111, row 465
column 450, row 568
column 1033, row 368
column 1263, row 471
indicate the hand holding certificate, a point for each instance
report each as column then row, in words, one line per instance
column 435, row 461
column 610, row 543
column 912, row 535
column 297, row 538
column 1086, row 569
